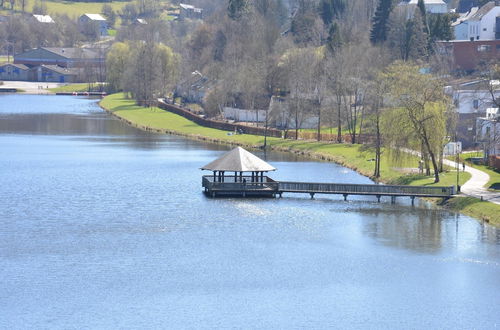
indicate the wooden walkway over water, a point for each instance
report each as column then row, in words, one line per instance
column 245, row 186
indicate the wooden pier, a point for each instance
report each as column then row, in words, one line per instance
column 244, row 186
column 257, row 184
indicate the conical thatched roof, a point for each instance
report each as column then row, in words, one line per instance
column 239, row 160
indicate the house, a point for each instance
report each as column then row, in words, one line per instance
column 468, row 55
column 479, row 24
column 472, row 100
column 431, row 6
column 44, row 19
column 63, row 57
column 488, row 132
column 97, row 20
column 54, row 73
column 10, row 71
column 194, row 88
column 189, row 11
column 461, row 24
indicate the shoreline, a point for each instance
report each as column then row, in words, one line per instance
column 482, row 211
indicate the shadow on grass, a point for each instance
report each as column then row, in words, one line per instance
column 495, row 186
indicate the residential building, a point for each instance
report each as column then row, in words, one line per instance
column 194, row 88
column 431, row 6
column 10, row 71
column 468, row 55
column 488, row 132
column 54, row 73
column 483, row 24
column 95, row 20
column 63, row 57
column 189, row 11
column 461, row 25
column 472, row 100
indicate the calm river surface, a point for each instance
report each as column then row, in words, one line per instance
column 105, row 226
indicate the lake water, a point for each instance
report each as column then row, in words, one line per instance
column 105, row 226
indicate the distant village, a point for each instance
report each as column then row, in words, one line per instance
column 475, row 41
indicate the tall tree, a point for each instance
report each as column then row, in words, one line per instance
column 334, row 41
column 419, row 116
column 378, row 33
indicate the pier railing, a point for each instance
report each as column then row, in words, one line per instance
column 365, row 189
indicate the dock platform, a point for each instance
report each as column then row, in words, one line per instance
column 266, row 187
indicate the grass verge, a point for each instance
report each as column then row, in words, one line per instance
column 352, row 156
column 71, row 88
column 476, row 208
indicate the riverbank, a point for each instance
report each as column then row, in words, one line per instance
column 355, row 157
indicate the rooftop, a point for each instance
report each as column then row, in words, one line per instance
column 95, row 17
column 44, row 18
column 483, row 11
column 239, row 160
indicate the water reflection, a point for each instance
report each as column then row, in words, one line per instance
column 105, row 226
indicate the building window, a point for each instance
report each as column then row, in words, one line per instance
column 484, row 29
column 475, row 104
column 484, row 48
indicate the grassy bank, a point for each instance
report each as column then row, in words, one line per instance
column 352, row 156
column 476, row 208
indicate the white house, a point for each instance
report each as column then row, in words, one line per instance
column 432, row 6
column 461, row 25
column 482, row 25
column 488, row 132
column 474, row 97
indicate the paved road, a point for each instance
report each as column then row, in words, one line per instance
column 30, row 87
column 475, row 187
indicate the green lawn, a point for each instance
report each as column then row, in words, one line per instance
column 448, row 178
column 81, row 87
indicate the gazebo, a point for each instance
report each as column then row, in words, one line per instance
column 248, row 175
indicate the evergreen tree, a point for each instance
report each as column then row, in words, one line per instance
column 331, row 9
column 440, row 27
column 418, row 42
column 326, row 11
column 423, row 14
column 380, row 21
column 235, row 8
column 334, row 41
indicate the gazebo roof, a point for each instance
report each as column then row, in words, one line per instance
column 239, row 160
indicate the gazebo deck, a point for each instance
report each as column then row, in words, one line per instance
column 240, row 186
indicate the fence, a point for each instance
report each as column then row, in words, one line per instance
column 273, row 132
column 494, row 161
